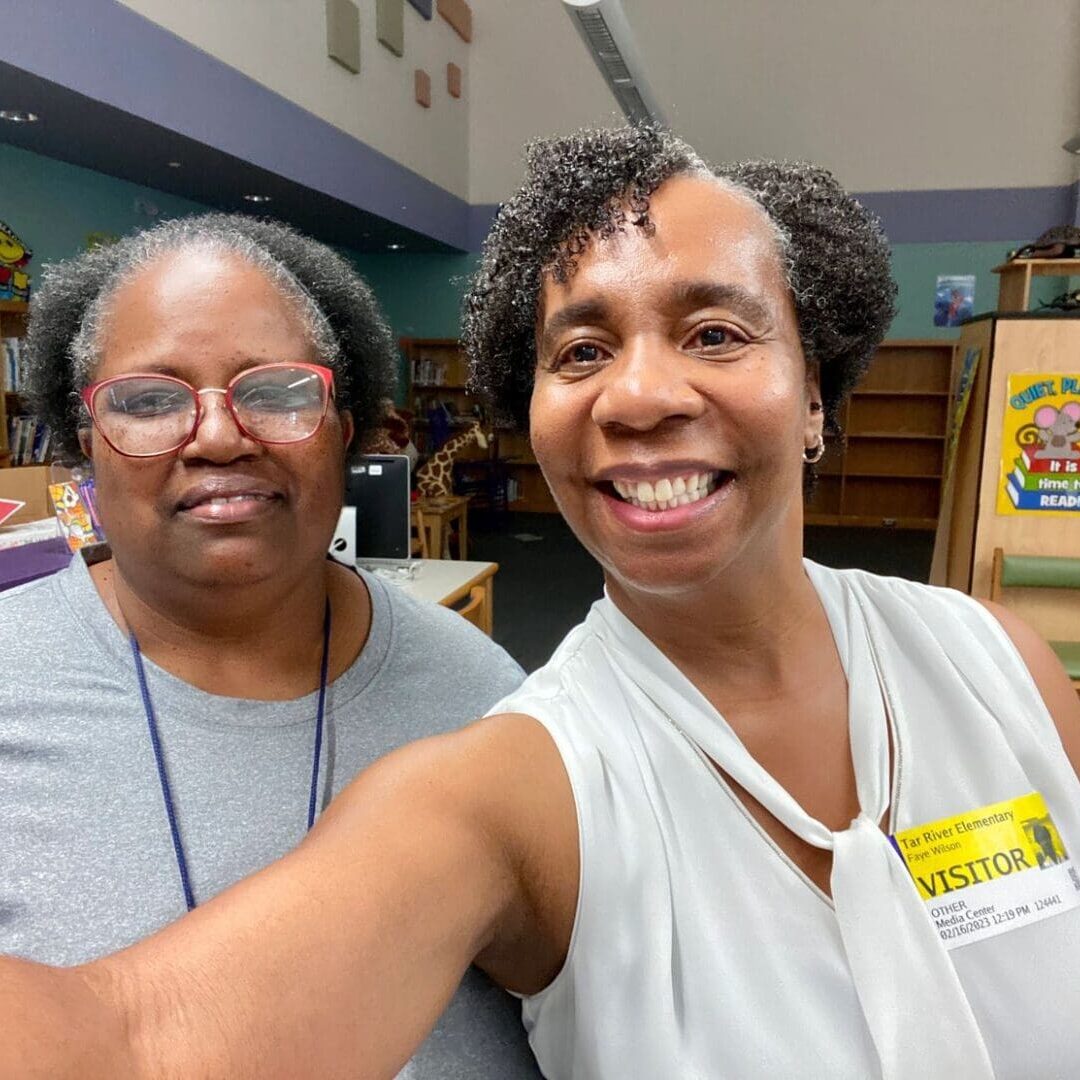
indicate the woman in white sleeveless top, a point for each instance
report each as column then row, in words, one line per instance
column 756, row 818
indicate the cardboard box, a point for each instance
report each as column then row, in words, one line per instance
column 28, row 484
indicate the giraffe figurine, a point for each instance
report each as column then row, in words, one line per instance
column 434, row 479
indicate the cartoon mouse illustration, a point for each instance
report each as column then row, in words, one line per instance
column 1060, row 430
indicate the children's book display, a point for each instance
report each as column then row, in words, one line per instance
column 1040, row 457
column 76, row 512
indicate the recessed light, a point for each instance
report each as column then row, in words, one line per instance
column 394, row 247
column 257, row 198
column 1073, row 145
column 174, row 164
column 18, row 116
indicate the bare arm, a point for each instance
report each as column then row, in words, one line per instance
column 337, row 960
column 1050, row 677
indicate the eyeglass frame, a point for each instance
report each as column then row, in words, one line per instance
column 325, row 374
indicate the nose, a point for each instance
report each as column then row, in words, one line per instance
column 646, row 385
column 217, row 437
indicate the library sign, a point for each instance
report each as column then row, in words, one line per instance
column 1040, row 446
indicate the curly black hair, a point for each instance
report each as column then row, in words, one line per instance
column 73, row 301
column 596, row 182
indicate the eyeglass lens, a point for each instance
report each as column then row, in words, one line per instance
column 148, row 414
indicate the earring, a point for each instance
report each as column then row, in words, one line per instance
column 812, row 455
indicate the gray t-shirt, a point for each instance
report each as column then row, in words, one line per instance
column 86, row 860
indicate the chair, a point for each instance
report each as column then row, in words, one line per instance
column 419, row 535
column 477, row 610
column 1040, row 572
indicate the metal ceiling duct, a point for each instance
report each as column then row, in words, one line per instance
column 606, row 32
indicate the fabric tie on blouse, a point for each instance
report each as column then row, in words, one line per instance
column 915, row 1008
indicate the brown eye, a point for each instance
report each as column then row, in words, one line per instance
column 582, row 354
column 714, row 335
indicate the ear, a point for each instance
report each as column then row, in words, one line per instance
column 1072, row 410
column 348, row 427
column 86, row 442
column 1046, row 416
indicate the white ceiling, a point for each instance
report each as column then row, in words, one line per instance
column 889, row 94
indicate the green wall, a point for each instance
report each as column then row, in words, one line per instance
column 916, row 268
column 53, row 206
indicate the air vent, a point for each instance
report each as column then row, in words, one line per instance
column 606, row 32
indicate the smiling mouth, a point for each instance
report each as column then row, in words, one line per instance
column 668, row 493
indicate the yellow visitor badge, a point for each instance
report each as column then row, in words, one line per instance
column 991, row 869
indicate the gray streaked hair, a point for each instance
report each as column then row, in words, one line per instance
column 74, row 300
column 595, row 183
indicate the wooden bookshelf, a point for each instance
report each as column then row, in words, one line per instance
column 443, row 381
column 13, row 315
column 887, row 468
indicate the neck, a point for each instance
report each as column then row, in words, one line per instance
column 735, row 638
column 260, row 641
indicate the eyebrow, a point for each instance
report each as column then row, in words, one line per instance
column 682, row 296
column 690, row 295
column 582, row 313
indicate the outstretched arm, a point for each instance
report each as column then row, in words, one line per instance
column 337, row 960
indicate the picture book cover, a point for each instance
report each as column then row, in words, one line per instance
column 1040, row 446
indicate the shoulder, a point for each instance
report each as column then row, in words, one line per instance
column 37, row 616
column 439, row 652
column 1048, row 675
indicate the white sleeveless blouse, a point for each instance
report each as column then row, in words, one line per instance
column 700, row 950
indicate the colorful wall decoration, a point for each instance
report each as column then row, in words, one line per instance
column 1040, row 446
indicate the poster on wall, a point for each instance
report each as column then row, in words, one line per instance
column 1040, row 446
column 954, row 299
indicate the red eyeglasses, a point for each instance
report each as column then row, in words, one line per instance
column 150, row 415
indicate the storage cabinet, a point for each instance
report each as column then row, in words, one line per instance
column 972, row 526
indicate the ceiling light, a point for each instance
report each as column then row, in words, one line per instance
column 17, row 116
column 174, row 164
column 1073, row 145
column 394, row 247
column 257, row 198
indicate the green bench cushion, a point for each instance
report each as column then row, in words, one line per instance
column 1069, row 654
column 1040, row 571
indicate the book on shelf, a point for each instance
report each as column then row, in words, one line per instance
column 427, row 372
column 1041, row 500
column 12, row 347
column 1025, row 480
column 1061, row 466
column 29, row 440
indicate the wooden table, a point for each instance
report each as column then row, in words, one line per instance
column 450, row 581
column 438, row 516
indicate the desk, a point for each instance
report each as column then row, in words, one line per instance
column 448, row 582
column 438, row 516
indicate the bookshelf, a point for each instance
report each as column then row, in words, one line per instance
column 13, row 315
column 438, row 376
column 887, row 468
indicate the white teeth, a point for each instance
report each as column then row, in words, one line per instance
column 221, row 500
column 667, row 493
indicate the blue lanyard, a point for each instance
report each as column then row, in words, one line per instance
column 163, row 776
